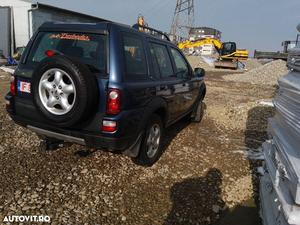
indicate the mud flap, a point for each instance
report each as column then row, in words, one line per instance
column 133, row 151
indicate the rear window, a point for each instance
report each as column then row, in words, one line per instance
column 89, row 49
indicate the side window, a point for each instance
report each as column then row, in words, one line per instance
column 154, row 63
column 161, row 57
column 182, row 69
column 135, row 60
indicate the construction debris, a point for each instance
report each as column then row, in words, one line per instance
column 266, row 74
column 280, row 185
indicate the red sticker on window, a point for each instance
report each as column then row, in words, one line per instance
column 65, row 36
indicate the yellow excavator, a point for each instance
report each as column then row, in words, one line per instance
column 229, row 55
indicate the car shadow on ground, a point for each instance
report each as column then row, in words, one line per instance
column 172, row 131
column 195, row 200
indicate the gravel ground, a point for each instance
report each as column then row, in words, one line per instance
column 267, row 74
column 202, row 178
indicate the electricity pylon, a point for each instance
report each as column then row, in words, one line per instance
column 183, row 19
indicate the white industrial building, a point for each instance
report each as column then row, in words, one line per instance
column 19, row 19
column 198, row 33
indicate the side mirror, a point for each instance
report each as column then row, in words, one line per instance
column 199, row 72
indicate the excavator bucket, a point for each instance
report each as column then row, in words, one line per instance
column 226, row 64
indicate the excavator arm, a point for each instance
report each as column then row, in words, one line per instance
column 194, row 44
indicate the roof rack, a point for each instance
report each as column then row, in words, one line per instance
column 151, row 31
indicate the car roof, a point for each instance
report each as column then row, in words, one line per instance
column 81, row 27
column 98, row 28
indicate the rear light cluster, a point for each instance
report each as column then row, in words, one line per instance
column 113, row 107
column 113, row 102
column 13, row 85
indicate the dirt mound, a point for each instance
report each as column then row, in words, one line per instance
column 251, row 64
column 197, row 61
column 266, row 74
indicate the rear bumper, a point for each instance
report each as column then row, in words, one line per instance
column 23, row 112
column 92, row 140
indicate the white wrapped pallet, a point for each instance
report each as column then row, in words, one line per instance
column 290, row 210
column 270, row 207
column 294, row 59
column 288, row 155
column 287, row 102
column 282, row 152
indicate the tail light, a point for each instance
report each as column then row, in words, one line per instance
column 13, row 85
column 109, row 126
column 113, row 102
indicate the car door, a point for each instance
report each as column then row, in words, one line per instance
column 189, row 86
column 168, row 86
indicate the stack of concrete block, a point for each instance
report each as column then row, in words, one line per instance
column 280, row 184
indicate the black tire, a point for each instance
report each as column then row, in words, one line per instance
column 143, row 158
column 198, row 113
column 85, row 86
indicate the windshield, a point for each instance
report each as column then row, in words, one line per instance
column 89, row 49
column 228, row 48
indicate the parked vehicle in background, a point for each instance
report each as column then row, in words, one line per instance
column 104, row 85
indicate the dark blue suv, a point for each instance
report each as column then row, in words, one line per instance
column 104, row 85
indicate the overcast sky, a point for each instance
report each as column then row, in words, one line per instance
column 253, row 24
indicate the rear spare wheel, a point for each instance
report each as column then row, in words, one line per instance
column 64, row 91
